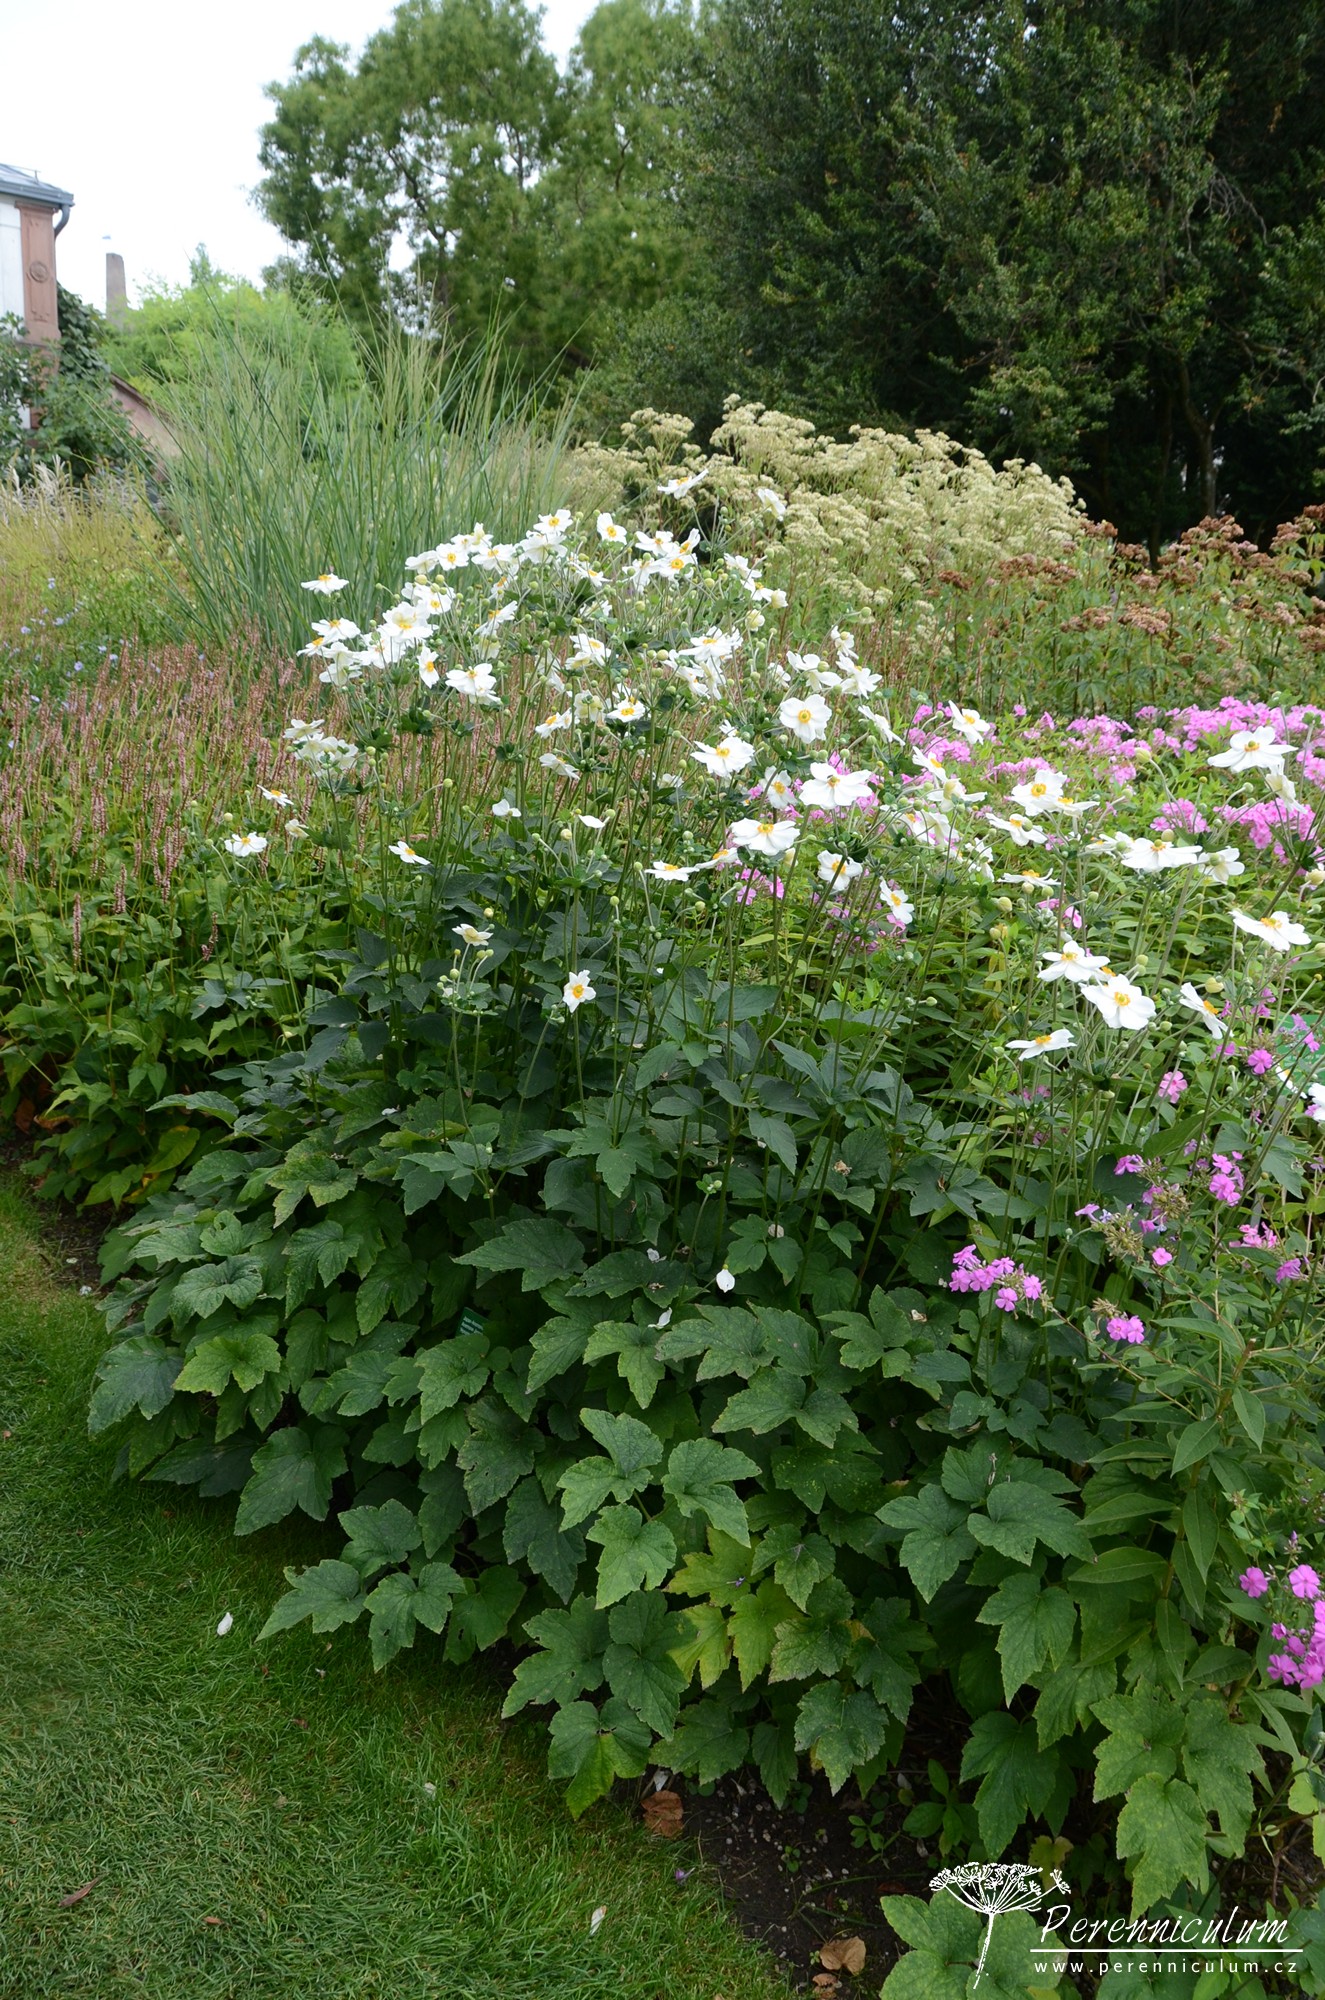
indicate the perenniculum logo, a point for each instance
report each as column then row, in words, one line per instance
column 992, row 1888
column 1140, row 1945
column 1184, row 1942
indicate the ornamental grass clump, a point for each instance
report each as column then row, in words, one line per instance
column 785, row 1197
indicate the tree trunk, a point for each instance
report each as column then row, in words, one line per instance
column 1161, row 480
column 1203, row 432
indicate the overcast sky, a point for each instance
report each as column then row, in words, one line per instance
column 148, row 112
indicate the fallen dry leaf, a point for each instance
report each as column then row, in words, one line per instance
column 211, row 1920
column 77, row 1895
column 663, row 1813
column 844, row 1955
column 826, row 1984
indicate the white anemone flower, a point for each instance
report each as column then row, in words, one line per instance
column 1251, row 750
column 586, row 651
column 409, row 855
column 1206, row 1008
column 773, row 500
column 592, row 821
column 1315, row 1104
column 503, row 809
column 560, row 718
column 276, row 798
column 685, row 483
column 404, row 626
column 857, row 681
column 1278, row 930
column 1122, row 1004
column 837, row 871
column 1072, row 961
column 628, row 709
column 807, row 716
column 951, row 791
column 243, row 844
column 471, row 934
column 477, row 683
column 1282, row 786
column 836, row 790
column 327, row 584
column 725, row 759
column 1030, row 878
column 713, row 645
column 1151, row 857
column 1040, row 793
column 765, row 836
column 669, row 871
column 551, row 762
column 969, row 722
column 612, row 531
column 931, row 826
column 491, row 627
column 1222, row 866
column 882, row 724
column 589, row 706
column 577, row 990
column 777, row 788
column 1042, row 1045
column 428, row 673
column 897, row 903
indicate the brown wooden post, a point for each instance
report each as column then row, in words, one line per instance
column 40, row 300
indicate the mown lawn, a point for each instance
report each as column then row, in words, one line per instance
column 260, row 1821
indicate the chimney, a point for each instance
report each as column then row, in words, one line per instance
column 117, row 302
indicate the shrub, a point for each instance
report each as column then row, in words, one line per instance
column 778, row 1207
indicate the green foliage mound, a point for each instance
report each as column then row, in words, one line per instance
column 744, row 1238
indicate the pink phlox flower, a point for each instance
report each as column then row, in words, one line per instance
column 1254, row 1581
column 1127, row 1327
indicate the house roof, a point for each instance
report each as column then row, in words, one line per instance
column 16, row 185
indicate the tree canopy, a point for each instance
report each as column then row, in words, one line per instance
column 1084, row 231
column 452, row 170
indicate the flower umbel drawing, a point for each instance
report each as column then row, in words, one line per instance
column 991, row 1888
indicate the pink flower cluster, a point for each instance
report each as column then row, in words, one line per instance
column 1302, row 1663
column 1128, row 1327
column 1226, row 1178
column 1010, row 1283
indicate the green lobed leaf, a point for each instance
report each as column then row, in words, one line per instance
column 294, row 1468
column 593, row 1747
column 636, row 1552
